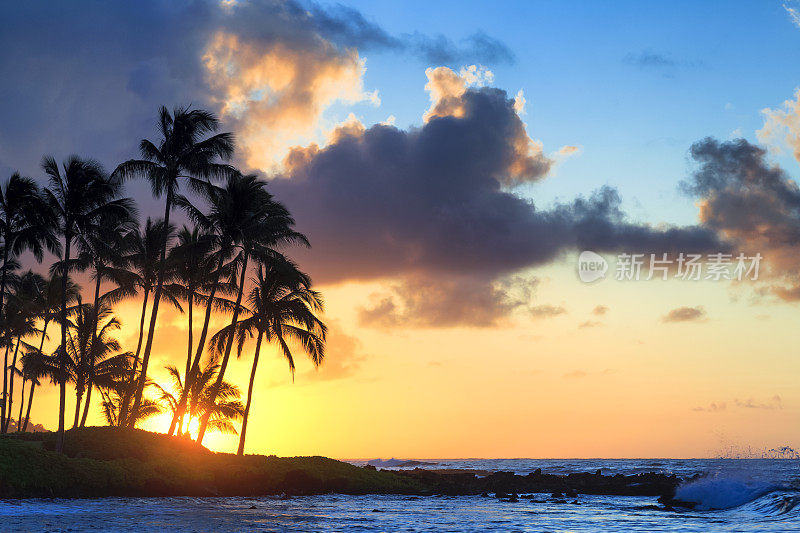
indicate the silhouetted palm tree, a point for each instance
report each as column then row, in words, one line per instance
column 91, row 358
column 247, row 223
column 26, row 223
column 283, row 308
column 194, row 264
column 78, row 197
column 143, row 250
column 48, row 309
column 19, row 322
column 222, row 411
column 181, row 153
column 103, row 251
column 113, row 396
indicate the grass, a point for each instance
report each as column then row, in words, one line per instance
column 104, row 461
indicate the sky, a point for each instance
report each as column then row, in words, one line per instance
column 448, row 162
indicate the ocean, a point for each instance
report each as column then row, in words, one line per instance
column 735, row 495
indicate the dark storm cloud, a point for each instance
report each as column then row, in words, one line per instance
column 431, row 206
column 86, row 76
column 752, row 202
column 743, row 194
column 432, row 200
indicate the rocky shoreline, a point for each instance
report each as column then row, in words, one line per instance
column 121, row 462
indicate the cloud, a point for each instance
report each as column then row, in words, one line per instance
column 649, row 60
column 348, row 27
column 344, row 357
column 794, row 14
column 90, row 75
column 752, row 203
column 589, row 324
column 440, row 50
column 782, row 126
column 685, row 314
column 434, row 199
column 429, row 303
column 547, row 311
column 435, row 206
column 712, row 407
column 600, row 310
column 773, row 403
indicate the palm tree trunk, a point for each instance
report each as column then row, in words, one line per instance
column 62, row 378
column 10, row 396
column 154, row 314
column 3, row 276
column 5, row 385
column 78, row 396
column 243, row 432
column 87, row 402
column 33, row 381
column 30, row 402
column 228, row 346
column 187, row 385
column 126, row 396
column 189, row 352
column 21, row 404
column 92, row 354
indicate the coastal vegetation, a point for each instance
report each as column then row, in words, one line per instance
column 232, row 258
column 111, row 461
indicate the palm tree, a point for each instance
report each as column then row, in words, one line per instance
column 78, row 197
column 18, row 324
column 22, row 312
column 91, row 363
column 181, row 153
column 222, row 411
column 25, row 224
column 194, row 266
column 113, row 396
column 34, row 368
column 103, row 251
column 143, row 248
column 246, row 222
column 283, row 307
column 48, row 309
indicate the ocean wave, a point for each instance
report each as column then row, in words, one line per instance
column 716, row 492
